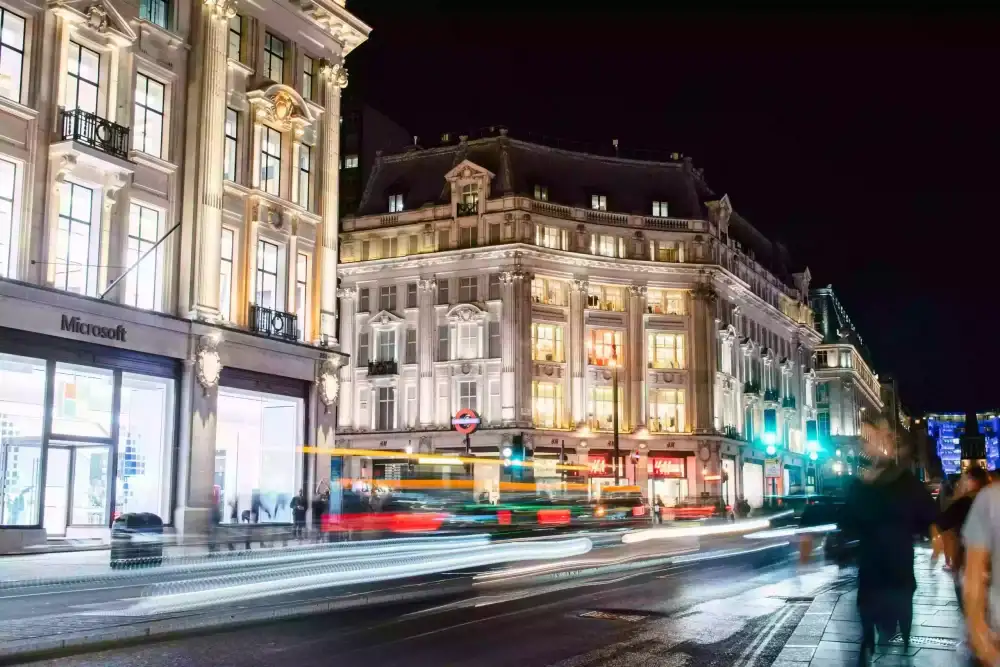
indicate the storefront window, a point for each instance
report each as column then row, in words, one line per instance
column 546, row 342
column 90, row 486
column 257, row 441
column 600, row 410
column 22, row 403
column 604, row 347
column 666, row 350
column 547, row 400
column 145, row 435
column 82, row 401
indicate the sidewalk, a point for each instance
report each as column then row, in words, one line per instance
column 829, row 634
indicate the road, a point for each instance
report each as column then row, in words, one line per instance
column 735, row 612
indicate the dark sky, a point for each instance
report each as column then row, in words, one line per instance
column 866, row 143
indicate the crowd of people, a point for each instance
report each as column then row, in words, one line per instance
column 883, row 511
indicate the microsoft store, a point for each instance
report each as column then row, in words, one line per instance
column 103, row 411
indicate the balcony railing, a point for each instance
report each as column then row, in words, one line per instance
column 90, row 129
column 772, row 395
column 788, row 402
column 467, row 208
column 388, row 367
column 751, row 388
column 732, row 433
column 273, row 323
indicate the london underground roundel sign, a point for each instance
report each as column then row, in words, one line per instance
column 465, row 421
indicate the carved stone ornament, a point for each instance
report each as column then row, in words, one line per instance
column 222, row 9
column 97, row 18
column 335, row 72
column 327, row 382
column 208, row 363
column 283, row 106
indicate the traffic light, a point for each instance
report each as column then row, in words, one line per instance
column 812, row 439
column 770, row 436
column 517, row 450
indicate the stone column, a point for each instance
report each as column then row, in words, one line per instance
column 348, row 401
column 522, row 359
column 508, row 340
column 426, row 344
column 215, row 15
column 635, row 356
column 194, row 517
column 577, row 352
column 114, row 237
column 333, row 78
column 702, row 357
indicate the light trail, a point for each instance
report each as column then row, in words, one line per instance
column 701, row 531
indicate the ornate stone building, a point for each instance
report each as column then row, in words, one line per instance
column 168, row 251
column 514, row 279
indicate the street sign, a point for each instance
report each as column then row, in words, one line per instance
column 772, row 467
column 465, row 421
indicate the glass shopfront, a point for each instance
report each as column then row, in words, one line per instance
column 258, row 465
column 81, row 443
column 668, row 484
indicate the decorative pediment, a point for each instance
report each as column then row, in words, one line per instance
column 283, row 106
column 728, row 332
column 97, row 19
column 384, row 318
column 466, row 312
column 467, row 170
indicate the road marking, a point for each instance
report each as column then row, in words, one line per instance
column 607, row 616
column 752, row 660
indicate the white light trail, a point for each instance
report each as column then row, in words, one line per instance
column 745, row 526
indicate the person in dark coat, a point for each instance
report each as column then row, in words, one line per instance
column 884, row 515
column 298, row 506
column 951, row 520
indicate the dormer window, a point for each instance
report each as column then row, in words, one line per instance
column 599, row 202
column 541, row 193
column 395, row 203
column 274, row 57
column 660, row 209
column 470, row 195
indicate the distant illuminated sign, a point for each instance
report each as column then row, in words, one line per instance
column 599, row 465
column 666, row 467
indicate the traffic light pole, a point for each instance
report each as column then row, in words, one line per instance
column 614, row 419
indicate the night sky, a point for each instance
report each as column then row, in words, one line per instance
column 866, row 143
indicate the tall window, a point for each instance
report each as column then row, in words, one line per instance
column 468, row 289
column 411, row 295
column 270, row 161
column 666, row 410
column 302, row 292
column 390, row 247
column 546, row 403
column 443, row 296
column 443, row 351
column 467, row 395
column 602, row 347
column 444, row 239
column 606, row 297
column 666, row 350
column 11, row 54
column 607, row 245
column 495, row 351
column 660, row 209
column 76, row 246
column 665, row 251
column 551, row 292
column 541, row 193
column 10, row 227
column 363, row 299
column 468, row 341
column 236, row 38
column 386, row 415
column 229, row 155
column 154, row 11
column 84, row 78
column 470, row 195
column 274, row 57
column 395, row 203
column 546, row 342
column 148, row 130
column 142, row 284
column 226, row 274
column 468, row 237
column 599, row 202
column 305, row 169
column 411, row 346
column 268, row 287
column 386, row 345
column 363, row 348
column 387, row 297
column 494, row 286
column 308, row 73
column 551, row 237
column 601, row 408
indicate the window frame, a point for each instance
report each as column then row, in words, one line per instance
column 6, row 48
column 468, row 286
column 268, row 159
column 239, row 38
column 302, row 262
column 395, row 203
column 467, row 340
column 231, row 261
column 70, row 76
column 541, row 192
column 350, row 162
column 165, row 6
column 13, row 200
column 93, row 241
column 271, row 55
column 385, row 411
column 146, row 110
column 387, row 298
column 231, row 144
column 468, row 399
column 657, row 348
column 385, row 344
column 308, row 77
column 143, row 245
column 660, row 209
column 598, row 202
column 262, row 272
column 553, row 337
column 305, row 175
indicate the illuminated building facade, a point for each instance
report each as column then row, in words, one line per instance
column 514, row 278
column 945, row 429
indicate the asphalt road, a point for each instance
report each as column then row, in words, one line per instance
column 731, row 612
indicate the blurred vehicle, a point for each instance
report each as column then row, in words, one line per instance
column 620, row 506
column 391, row 514
column 839, row 547
column 136, row 540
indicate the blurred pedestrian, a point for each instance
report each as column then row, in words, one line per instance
column 981, row 535
column 884, row 514
column 298, row 506
column 659, row 509
column 949, row 523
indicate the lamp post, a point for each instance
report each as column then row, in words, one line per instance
column 614, row 407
